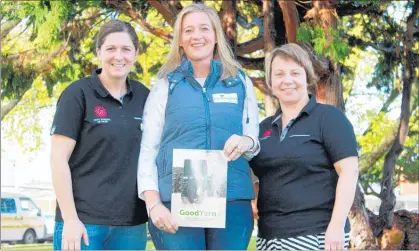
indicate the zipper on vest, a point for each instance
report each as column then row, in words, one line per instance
column 206, row 100
column 205, row 93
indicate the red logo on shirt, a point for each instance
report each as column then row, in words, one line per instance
column 267, row 133
column 101, row 112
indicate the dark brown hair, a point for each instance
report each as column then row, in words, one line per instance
column 116, row 26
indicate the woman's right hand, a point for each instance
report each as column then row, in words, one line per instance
column 162, row 219
column 73, row 231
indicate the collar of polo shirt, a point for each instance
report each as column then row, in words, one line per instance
column 306, row 110
column 100, row 88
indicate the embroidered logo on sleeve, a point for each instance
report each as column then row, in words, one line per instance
column 225, row 98
column 101, row 115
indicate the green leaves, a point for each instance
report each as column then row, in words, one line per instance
column 324, row 44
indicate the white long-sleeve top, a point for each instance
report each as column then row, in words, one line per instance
column 153, row 123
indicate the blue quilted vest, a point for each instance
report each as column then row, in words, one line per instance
column 194, row 121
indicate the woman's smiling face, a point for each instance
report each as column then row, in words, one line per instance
column 197, row 37
column 289, row 80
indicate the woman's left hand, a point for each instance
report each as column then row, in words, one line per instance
column 237, row 145
column 334, row 238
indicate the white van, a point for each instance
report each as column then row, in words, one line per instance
column 21, row 219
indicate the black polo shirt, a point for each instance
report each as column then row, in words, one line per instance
column 295, row 170
column 104, row 161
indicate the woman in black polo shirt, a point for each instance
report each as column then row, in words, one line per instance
column 308, row 164
column 95, row 144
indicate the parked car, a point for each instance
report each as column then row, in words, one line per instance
column 21, row 219
column 50, row 223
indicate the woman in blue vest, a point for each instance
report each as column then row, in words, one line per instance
column 187, row 109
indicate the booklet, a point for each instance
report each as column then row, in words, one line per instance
column 199, row 188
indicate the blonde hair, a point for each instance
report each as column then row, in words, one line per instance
column 222, row 50
column 298, row 55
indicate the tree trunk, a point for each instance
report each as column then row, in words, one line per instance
column 404, row 234
column 271, row 103
column 290, row 15
column 228, row 20
column 362, row 236
column 388, row 199
column 329, row 90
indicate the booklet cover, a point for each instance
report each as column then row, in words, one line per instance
column 199, row 188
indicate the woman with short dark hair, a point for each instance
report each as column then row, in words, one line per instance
column 95, row 143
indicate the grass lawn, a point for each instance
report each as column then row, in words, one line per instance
column 48, row 246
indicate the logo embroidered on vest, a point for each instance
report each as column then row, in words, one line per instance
column 225, row 98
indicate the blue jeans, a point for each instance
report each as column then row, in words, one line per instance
column 103, row 237
column 236, row 235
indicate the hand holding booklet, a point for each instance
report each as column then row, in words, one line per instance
column 199, row 188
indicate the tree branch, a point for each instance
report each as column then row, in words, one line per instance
column 368, row 186
column 126, row 8
column 251, row 63
column 348, row 9
column 7, row 27
column 161, row 33
column 250, row 46
column 18, row 35
column 46, row 61
column 168, row 10
column 6, row 108
column 372, row 192
column 368, row 159
column 354, row 41
column 89, row 18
